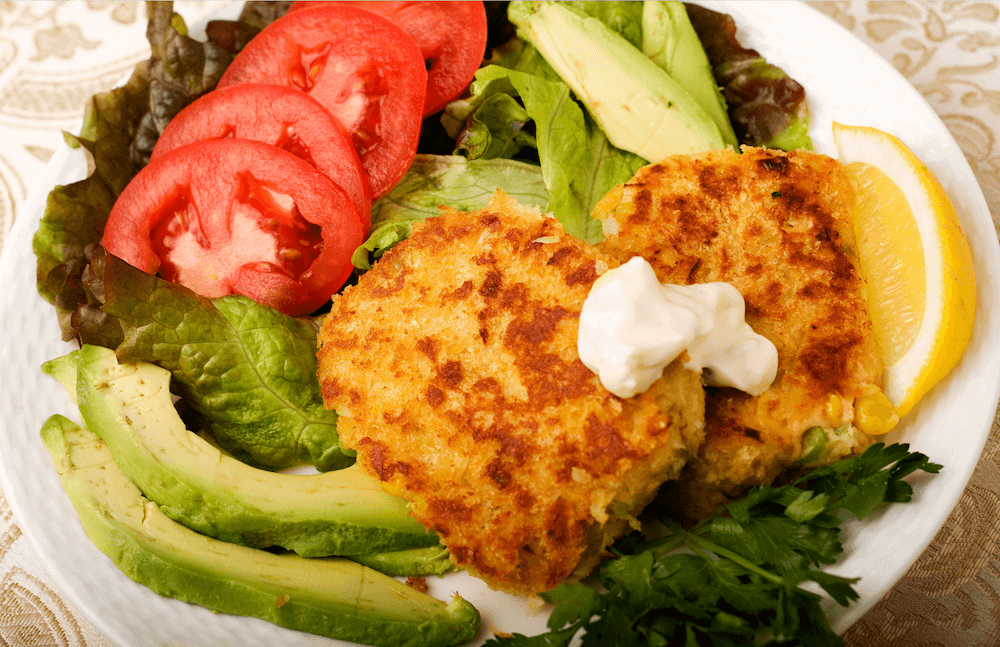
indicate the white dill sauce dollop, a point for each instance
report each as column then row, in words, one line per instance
column 632, row 326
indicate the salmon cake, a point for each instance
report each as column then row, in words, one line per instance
column 777, row 226
column 454, row 369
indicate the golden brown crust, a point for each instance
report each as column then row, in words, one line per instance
column 777, row 226
column 454, row 364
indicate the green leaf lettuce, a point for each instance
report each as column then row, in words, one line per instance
column 248, row 369
column 433, row 181
column 578, row 163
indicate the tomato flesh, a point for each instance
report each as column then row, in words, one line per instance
column 357, row 101
column 451, row 37
column 359, row 66
column 238, row 216
column 299, row 243
column 280, row 116
column 267, row 233
column 291, row 142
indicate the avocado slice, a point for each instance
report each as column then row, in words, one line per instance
column 64, row 369
column 333, row 597
column 639, row 106
column 670, row 41
column 430, row 560
column 129, row 406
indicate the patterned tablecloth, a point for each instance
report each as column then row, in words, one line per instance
column 55, row 55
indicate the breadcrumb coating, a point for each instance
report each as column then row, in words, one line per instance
column 777, row 225
column 453, row 364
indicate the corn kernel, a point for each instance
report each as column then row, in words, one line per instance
column 874, row 414
column 835, row 408
column 392, row 487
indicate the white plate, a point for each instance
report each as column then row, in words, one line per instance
column 844, row 80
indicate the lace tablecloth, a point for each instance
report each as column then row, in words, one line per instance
column 55, row 55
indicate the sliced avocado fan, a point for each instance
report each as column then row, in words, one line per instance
column 332, row 597
column 129, row 406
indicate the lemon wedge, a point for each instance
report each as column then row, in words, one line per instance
column 920, row 282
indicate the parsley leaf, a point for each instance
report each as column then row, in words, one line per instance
column 576, row 603
column 735, row 577
column 859, row 483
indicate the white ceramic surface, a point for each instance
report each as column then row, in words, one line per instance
column 845, row 81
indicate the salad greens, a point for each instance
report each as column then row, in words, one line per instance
column 578, row 163
column 262, row 406
column 767, row 107
column 461, row 183
column 248, row 369
column 519, row 89
column 181, row 69
column 75, row 214
column 638, row 106
column 119, row 131
column 736, row 577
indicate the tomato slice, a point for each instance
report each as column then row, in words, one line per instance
column 451, row 36
column 361, row 67
column 238, row 216
column 282, row 117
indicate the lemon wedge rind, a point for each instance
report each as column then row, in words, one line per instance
column 950, row 296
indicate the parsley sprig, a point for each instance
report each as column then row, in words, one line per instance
column 734, row 578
